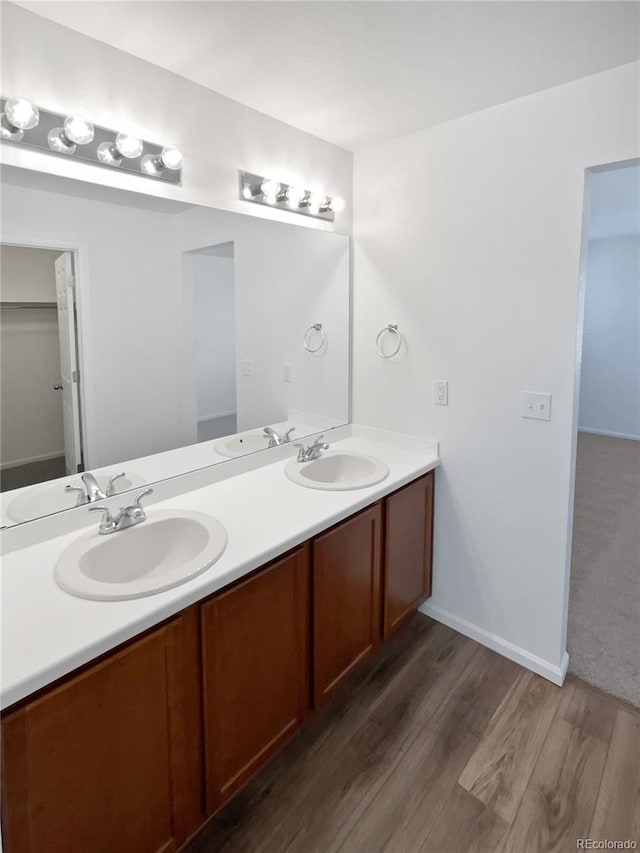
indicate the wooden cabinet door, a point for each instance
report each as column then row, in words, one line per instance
column 408, row 551
column 255, row 649
column 108, row 760
column 346, row 599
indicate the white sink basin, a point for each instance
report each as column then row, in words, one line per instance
column 51, row 497
column 169, row 548
column 240, row 445
column 337, row 470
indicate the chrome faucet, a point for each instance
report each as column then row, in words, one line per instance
column 306, row 454
column 275, row 440
column 127, row 517
column 92, row 491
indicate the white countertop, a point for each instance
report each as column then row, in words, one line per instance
column 47, row 633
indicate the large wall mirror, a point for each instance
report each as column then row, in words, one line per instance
column 143, row 338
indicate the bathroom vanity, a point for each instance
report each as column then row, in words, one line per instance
column 163, row 729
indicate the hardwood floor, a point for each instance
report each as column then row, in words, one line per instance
column 442, row 746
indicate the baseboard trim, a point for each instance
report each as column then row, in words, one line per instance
column 553, row 673
column 609, row 434
column 29, row 460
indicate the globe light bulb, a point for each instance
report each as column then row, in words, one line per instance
column 78, row 129
column 108, row 154
column 270, row 189
column 336, row 204
column 21, row 113
column 59, row 141
column 295, row 195
column 129, row 146
column 151, row 165
column 171, row 157
column 8, row 131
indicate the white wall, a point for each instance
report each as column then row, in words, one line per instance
column 64, row 71
column 468, row 235
column 29, row 359
column 215, row 338
column 27, row 274
column 610, row 373
column 286, row 278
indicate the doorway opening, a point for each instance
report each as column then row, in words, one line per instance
column 41, row 437
column 603, row 635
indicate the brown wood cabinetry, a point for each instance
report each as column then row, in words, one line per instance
column 255, row 658
column 110, row 759
column 132, row 752
column 346, row 599
column 408, row 551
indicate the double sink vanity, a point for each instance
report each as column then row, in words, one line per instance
column 152, row 667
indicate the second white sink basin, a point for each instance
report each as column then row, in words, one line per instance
column 169, row 548
column 240, row 445
column 337, row 470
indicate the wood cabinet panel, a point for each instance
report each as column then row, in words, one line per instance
column 108, row 760
column 255, row 641
column 408, row 551
column 346, row 599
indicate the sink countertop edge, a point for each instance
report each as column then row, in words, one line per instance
column 48, row 633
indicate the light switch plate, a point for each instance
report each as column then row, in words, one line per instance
column 536, row 405
column 247, row 367
column 286, row 372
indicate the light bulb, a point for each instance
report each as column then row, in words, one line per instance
column 270, row 189
column 21, row 113
column 59, row 141
column 246, row 192
column 8, row 131
column 171, row 157
column 151, row 165
column 315, row 200
column 78, row 129
column 336, row 204
column 129, row 146
column 295, row 195
column 108, row 154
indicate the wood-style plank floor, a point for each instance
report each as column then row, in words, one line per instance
column 442, row 746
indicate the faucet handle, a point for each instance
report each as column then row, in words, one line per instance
column 82, row 495
column 318, row 440
column 107, row 521
column 286, row 438
column 111, row 483
column 139, row 497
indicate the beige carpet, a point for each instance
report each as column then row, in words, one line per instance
column 604, row 601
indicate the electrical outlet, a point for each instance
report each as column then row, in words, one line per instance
column 286, row 373
column 441, row 392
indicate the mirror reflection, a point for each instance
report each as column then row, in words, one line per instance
column 143, row 338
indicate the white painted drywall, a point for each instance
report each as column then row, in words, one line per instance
column 29, row 359
column 215, row 337
column 610, row 373
column 65, row 71
column 468, row 235
column 27, row 275
column 286, row 278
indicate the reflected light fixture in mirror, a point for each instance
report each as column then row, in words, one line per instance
column 169, row 158
column 76, row 130
column 291, row 197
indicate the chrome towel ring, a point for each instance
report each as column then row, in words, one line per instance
column 316, row 327
column 388, row 330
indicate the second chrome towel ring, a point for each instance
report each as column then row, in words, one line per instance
column 316, row 327
column 388, row 330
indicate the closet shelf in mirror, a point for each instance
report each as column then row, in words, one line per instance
column 10, row 304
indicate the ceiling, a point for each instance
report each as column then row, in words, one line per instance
column 356, row 73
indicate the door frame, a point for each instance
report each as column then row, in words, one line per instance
column 584, row 247
column 79, row 251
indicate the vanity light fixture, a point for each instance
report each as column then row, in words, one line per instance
column 75, row 136
column 291, row 197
